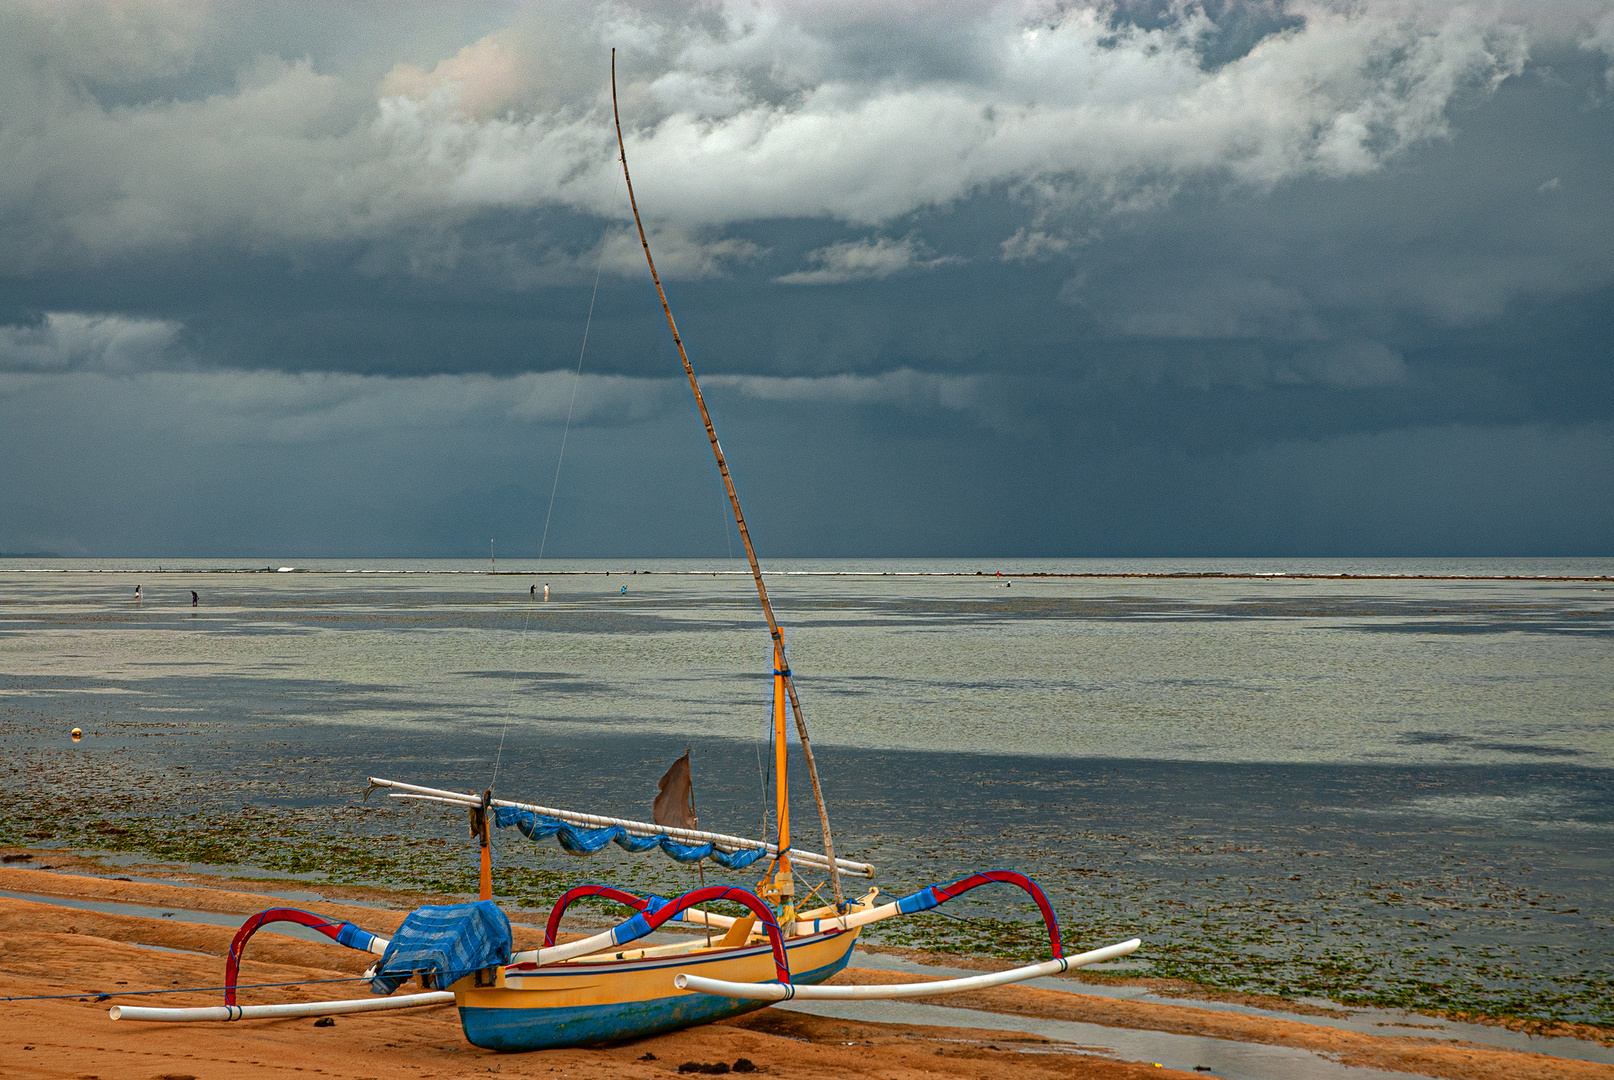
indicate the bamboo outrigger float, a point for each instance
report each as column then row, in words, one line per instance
column 595, row 990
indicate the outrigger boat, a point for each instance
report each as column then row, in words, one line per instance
column 597, row 990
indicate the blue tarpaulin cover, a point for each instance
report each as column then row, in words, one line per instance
column 580, row 841
column 449, row 941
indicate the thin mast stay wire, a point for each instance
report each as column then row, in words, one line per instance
column 577, row 377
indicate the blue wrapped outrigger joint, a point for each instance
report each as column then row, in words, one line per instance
column 450, row 942
column 579, row 841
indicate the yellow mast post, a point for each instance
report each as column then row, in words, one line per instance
column 784, row 882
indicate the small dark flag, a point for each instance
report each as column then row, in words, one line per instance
column 675, row 799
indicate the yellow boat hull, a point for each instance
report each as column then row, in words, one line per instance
column 588, row 1001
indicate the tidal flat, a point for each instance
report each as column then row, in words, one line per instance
column 1375, row 791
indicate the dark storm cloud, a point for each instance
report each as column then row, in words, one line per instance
column 1135, row 277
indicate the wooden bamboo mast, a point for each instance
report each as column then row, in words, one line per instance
column 739, row 516
column 480, row 831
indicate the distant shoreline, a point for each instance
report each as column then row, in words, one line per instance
column 1207, row 575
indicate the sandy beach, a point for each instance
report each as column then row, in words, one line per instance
column 49, row 948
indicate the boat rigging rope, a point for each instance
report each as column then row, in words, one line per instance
column 577, row 377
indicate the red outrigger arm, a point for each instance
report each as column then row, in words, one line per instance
column 936, row 895
column 657, row 911
column 654, row 912
column 923, row 900
column 583, row 892
column 343, row 933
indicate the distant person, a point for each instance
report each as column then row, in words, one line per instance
column 194, row 598
column 546, row 592
column 137, row 592
column 624, row 590
column 532, row 593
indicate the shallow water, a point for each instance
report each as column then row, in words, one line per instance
column 1365, row 1021
column 1230, row 670
column 1229, row 1060
column 1399, row 784
column 178, row 914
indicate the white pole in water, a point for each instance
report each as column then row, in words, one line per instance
column 268, row 1012
column 774, row 991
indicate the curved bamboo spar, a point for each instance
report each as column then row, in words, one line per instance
column 734, row 501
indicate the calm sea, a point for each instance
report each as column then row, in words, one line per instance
column 1298, row 775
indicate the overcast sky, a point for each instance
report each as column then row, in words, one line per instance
column 1126, row 278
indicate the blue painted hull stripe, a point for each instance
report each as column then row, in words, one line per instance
column 549, row 1029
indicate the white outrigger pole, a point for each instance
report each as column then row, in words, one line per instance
column 224, row 1013
column 788, row 991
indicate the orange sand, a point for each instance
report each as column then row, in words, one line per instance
column 47, row 949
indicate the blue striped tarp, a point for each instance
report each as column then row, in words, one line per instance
column 450, row 942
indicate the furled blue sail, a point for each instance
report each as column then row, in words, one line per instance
column 580, row 841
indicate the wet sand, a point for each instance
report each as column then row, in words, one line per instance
column 49, row 949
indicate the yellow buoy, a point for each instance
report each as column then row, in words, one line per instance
column 77, row 734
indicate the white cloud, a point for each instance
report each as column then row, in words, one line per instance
column 858, row 260
column 1033, row 245
column 63, row 341
column 679, row 253
column 983, row 399
column 111, row 41
column 1601, row 39
column 1353, row 366
column 1213, row 307
column 229, row 407
column 741, row 113
column 482, row 79
column 1060, row 94
column 915, row 391
column 243, row 407
column 305, row 407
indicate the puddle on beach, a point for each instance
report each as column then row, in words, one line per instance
column 1230, row 1060
column 175, row 914
column 1365, row 1021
